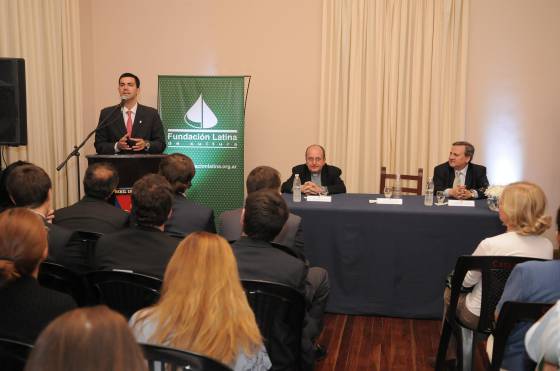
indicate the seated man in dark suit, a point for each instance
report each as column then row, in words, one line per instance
column 316, row 176
column 459, row 177
column 93, row 213
column 144, row 247
column 132, row 128
column 29, row 186
column 264, row 216
column 264, row 177
column 187, row 216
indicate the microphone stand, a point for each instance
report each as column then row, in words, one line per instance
column 76, row 151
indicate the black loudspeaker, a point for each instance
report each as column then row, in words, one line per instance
column 13, row 107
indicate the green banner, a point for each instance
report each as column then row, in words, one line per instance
column 203, row 118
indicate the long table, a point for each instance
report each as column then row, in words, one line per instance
column 390, row 260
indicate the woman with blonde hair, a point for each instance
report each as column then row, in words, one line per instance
column 25, row 307
column 87, row 339
column 203, row 308
column 523, row 212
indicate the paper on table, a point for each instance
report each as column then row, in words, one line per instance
column 319, row 198
column 468, row 203
column 389, row 201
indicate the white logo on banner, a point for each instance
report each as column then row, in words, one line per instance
column 200, row 116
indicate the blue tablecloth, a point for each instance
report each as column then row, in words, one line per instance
column 390, row 259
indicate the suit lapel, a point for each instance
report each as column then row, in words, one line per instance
column 138, row 122
column 469, row 177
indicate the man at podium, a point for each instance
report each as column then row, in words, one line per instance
column 133, row 128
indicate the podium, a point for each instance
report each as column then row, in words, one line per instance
column 130, row 169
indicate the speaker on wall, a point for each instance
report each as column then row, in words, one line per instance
column 13, row 107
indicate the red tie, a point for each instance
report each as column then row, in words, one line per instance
column 129, row 123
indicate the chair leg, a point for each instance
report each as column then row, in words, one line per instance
column 466, row 349
column 443, row 344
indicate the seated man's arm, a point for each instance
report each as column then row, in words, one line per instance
column 337, row 184
column 288, row 184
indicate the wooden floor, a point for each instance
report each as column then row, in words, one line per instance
column 378, row 343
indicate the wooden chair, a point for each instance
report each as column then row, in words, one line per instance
column 166, row 358
column 418, row 178
column 495, row 271
column 279, row 310
column 13, row 354
column 511, row 314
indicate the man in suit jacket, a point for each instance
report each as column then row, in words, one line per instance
column 291, row 235
column 144, row 247
column 133, row 128
column 316, row 176
column 264, row 216
column 187, row 216
column 93, row 213
column 29, row 186
column 459, row 177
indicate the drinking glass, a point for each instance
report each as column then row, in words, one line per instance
column 388, row 192
column 440, row 197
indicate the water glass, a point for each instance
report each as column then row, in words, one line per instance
column 388, row 192
column 440, row 197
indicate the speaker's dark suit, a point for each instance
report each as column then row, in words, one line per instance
column 330, row 178
column 189, row 216
column 147, row 125
column 144, row 250
column 476, row 179
column 290, row 236
column 92, row 215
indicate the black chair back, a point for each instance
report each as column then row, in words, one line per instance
column 57, row 277
column 512, row 313
column 13, row 354
column 495, row 271
column 125, row 292
column 166, row 358
column 279, row 310
column 79, row 252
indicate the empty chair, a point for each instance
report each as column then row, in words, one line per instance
column 165, row 358
column 414, row 190
column 495, row 271
column 57, row 277
column 279, row 310
column 125, row 292
column 13, row 354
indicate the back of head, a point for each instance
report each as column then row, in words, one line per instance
column 29, row 186
column 5, row 200
column 265, row 214
column 100, row 180
column 152, row 199
column 179, row 171
column 23, row 240
column 524, row 206
column 203, row 307
column 263, row 177
column 91, row 338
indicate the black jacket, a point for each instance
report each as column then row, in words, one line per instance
column 330, row 178
column 476, row 178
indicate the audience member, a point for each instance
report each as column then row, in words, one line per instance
column 264, row 177
column 29, row 186
column 316, row 176
column 263, row 218
column 87, row 339
column 144, row 247
column 25, row 307
column 94, row 213
column 187, row 216
column 543, row 340
column 5, row 200
column 459, row 177
column 532, row 282
column 203, row 308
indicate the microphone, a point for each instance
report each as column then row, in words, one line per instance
column 124, row 98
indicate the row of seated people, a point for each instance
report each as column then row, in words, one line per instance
column 522, row 209
column 145, row 248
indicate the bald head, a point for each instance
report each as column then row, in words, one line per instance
column 315, row 158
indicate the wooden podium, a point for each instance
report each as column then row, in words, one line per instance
column 130, row 169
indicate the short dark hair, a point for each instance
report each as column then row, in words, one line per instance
column 5, row 201
column 263, row 177
column 266, row 213
column 152, row 199
column 469, row 148
column 128, row 74
column 179, row 171
column 100, row 180
column 28, row 186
